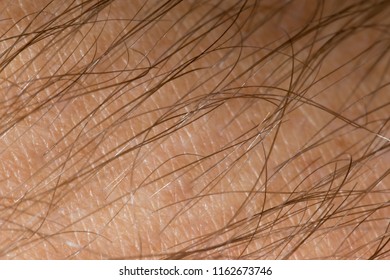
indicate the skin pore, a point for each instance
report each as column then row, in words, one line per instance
column 194, row 129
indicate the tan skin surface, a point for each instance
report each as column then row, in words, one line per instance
column 194, row 130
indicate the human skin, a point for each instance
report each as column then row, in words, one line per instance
column 194, row 129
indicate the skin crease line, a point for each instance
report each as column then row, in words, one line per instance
column 194, row 129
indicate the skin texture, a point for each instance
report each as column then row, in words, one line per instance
column 194, row 129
